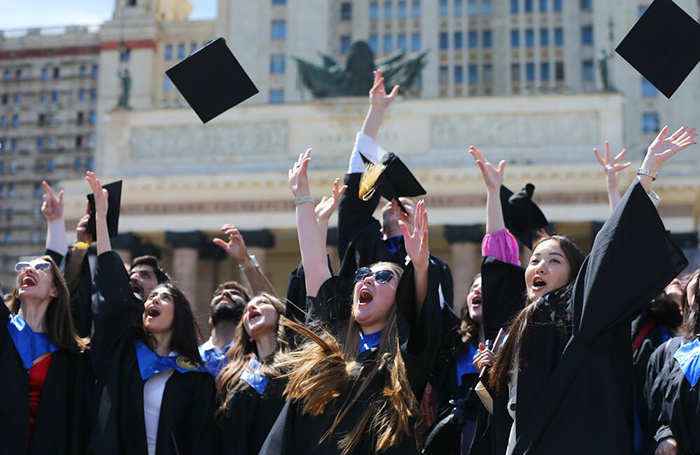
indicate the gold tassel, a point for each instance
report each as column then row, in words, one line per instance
column 369, row 179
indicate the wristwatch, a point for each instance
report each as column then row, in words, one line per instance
column 253, row 263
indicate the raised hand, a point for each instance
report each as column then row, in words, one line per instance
column 611, row 166
column 298, row 178
column 327, row 206
column 483, row 358
column 81, row 234
column 101, row 194
column 377, row 94
column 416, row 240
column 665, row 147
column 52, row 207
column 493, row 177
column 235, row 247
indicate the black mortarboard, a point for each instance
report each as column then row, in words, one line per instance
column 522, row 216
column 664, row 45
column 113, row 205
column 211, row 80
column 391, row 181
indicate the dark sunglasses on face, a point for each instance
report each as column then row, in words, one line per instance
column 21, row 266
column 380, row 276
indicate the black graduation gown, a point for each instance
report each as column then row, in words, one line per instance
column 189, row 399
column 581, row 402
column 62, row 418
column 299, row 434
column 674, row 406
column 250, row 417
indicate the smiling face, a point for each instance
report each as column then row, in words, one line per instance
column 474, row 301
column 35, row 280
column 143, row 280
column 159, row 311
column 260, row 318
column 372, row 301
column 548, row 270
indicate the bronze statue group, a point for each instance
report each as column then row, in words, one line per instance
column 565, row 354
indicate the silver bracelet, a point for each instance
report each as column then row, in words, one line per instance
column 303, row 200
column 252, row 264
column 648, row 173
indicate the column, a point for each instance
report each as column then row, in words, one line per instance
column 210, row 256
column 465, row 241
column 186, row 246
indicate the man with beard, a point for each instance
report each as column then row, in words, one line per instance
column 145, row 274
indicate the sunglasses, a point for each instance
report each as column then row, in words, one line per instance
column 380, row 276
column 22, row 266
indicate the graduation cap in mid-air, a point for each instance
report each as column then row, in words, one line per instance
column 390, row 179
column 522, row 216
column 114, row 200
column 664, row 45
column 211, row 80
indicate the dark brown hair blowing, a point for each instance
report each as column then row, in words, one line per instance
column 519, row 332
column 243, row 350
column 691, row 314
column 58, row 321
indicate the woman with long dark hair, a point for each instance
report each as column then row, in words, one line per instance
column 155, row 396
column 354, row 391
column 43, row 367
column 567, row 359
column 250, row 385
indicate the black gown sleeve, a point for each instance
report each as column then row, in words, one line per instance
column 655, row 392
column 204, row 437
column 503, row 294
column 57, row 257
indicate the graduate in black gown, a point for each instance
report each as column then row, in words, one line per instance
column 250, row 386
column 354, row 391
column 562, row 381
column 155, row 397
column 44, row 372
column 671, row 389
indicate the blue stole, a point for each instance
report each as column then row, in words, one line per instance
column 688, row 357
column 214, row 360
column 394, row 243
column 29, row 344
column 464, row 363
column 254, row 377
column 370, row 340
column 151, row 363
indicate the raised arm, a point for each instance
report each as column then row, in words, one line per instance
column 104, row 244
column 663, row 148
column 379, row 101
column 417, row 248
column 311, row 239
column 236, row 248
column 324, row 209
column 52, row 209
column 493, row 178
column 612, row 168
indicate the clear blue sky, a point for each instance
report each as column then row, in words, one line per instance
column 18, row 14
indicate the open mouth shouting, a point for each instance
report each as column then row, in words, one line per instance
column 28, row 280
column 538, row 284
column 254, row 315
column 152, row 312
column 365, row 297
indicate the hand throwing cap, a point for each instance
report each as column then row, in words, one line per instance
column 211, row 80
column 114, row 200
column 390, row 179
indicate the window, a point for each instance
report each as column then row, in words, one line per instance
column 37, row 187
column 486, row 7
column 473, row 74
column 529, row 37
column 40, row 143
column 515, row 72
column 131, row 3
column 6, row 75
column 415, row 42
column 50, row 165
column 15, row 121
column 558, row 36
column 277, row 96
column 35, row 237
column 11, row 190
column 530, row 72
column 373, row 11
column 401, row 11
column 79, row 118
column 529, row 6
column 388, row 43
column 167, row 84
column 487, row 39
column 78, row 164
column 559, row 71
column 13, row 144
column 93, row 118
column 42, row 97
column 587, row 35
column 557, row 5
column 279, row 2
column 9, row 214
column 374, row 43
column 78, row 142
column 91, row 141
column 8, row 237
column 346, row 11
column 444, row 9
column 53, row 142
column 444, row 75
column 95, row 71
column 83, row 71
column 181, row 51
column 444, row 41
column 401, row 44
column 487, row 73
column 18, row 74
column 588, row 70
column 415, row 9
column 344, row 44
column 81, row 95
column 458, row 8
column 650, row 122
column 586, row 5
column 3, row 121
column 56, row 72
column 89, row 164
column 515, row 38
column 544, row 71
column 44, row 73
column 193, row 47
column 2, row 167
column 17, row 99
column 543, row 6
column 459, row 74
column 93, row 94
column 473, row 8
column 473, row 38
column 648, row 89
column 279, row 30
column 168, row 51
column 387, row 10
column 459, row 40
column 514, row 6
column 544, row 37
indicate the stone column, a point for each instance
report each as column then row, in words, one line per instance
column 210, row 256
column 465, row 241
column 186, row 246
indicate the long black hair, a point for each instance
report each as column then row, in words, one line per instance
column 691, row 313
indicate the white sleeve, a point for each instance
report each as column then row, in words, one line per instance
column 370, row 149
column 56, row 237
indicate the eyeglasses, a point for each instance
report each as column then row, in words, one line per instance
column 380, row 276
column 21, row 266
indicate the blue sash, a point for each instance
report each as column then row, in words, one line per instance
column 369, row 340
column 688, row 357
column 394, row 243
column 29, row 344
column 254, row 377
column 465, row 363
column 151, row 363
column 214, row 360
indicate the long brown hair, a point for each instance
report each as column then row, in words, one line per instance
column 58, row 321
column 322, row 369
column 469, row 331
column 691, row 314
column 243, row 350
column 519, row 331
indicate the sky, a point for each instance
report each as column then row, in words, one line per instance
column 24, row 14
